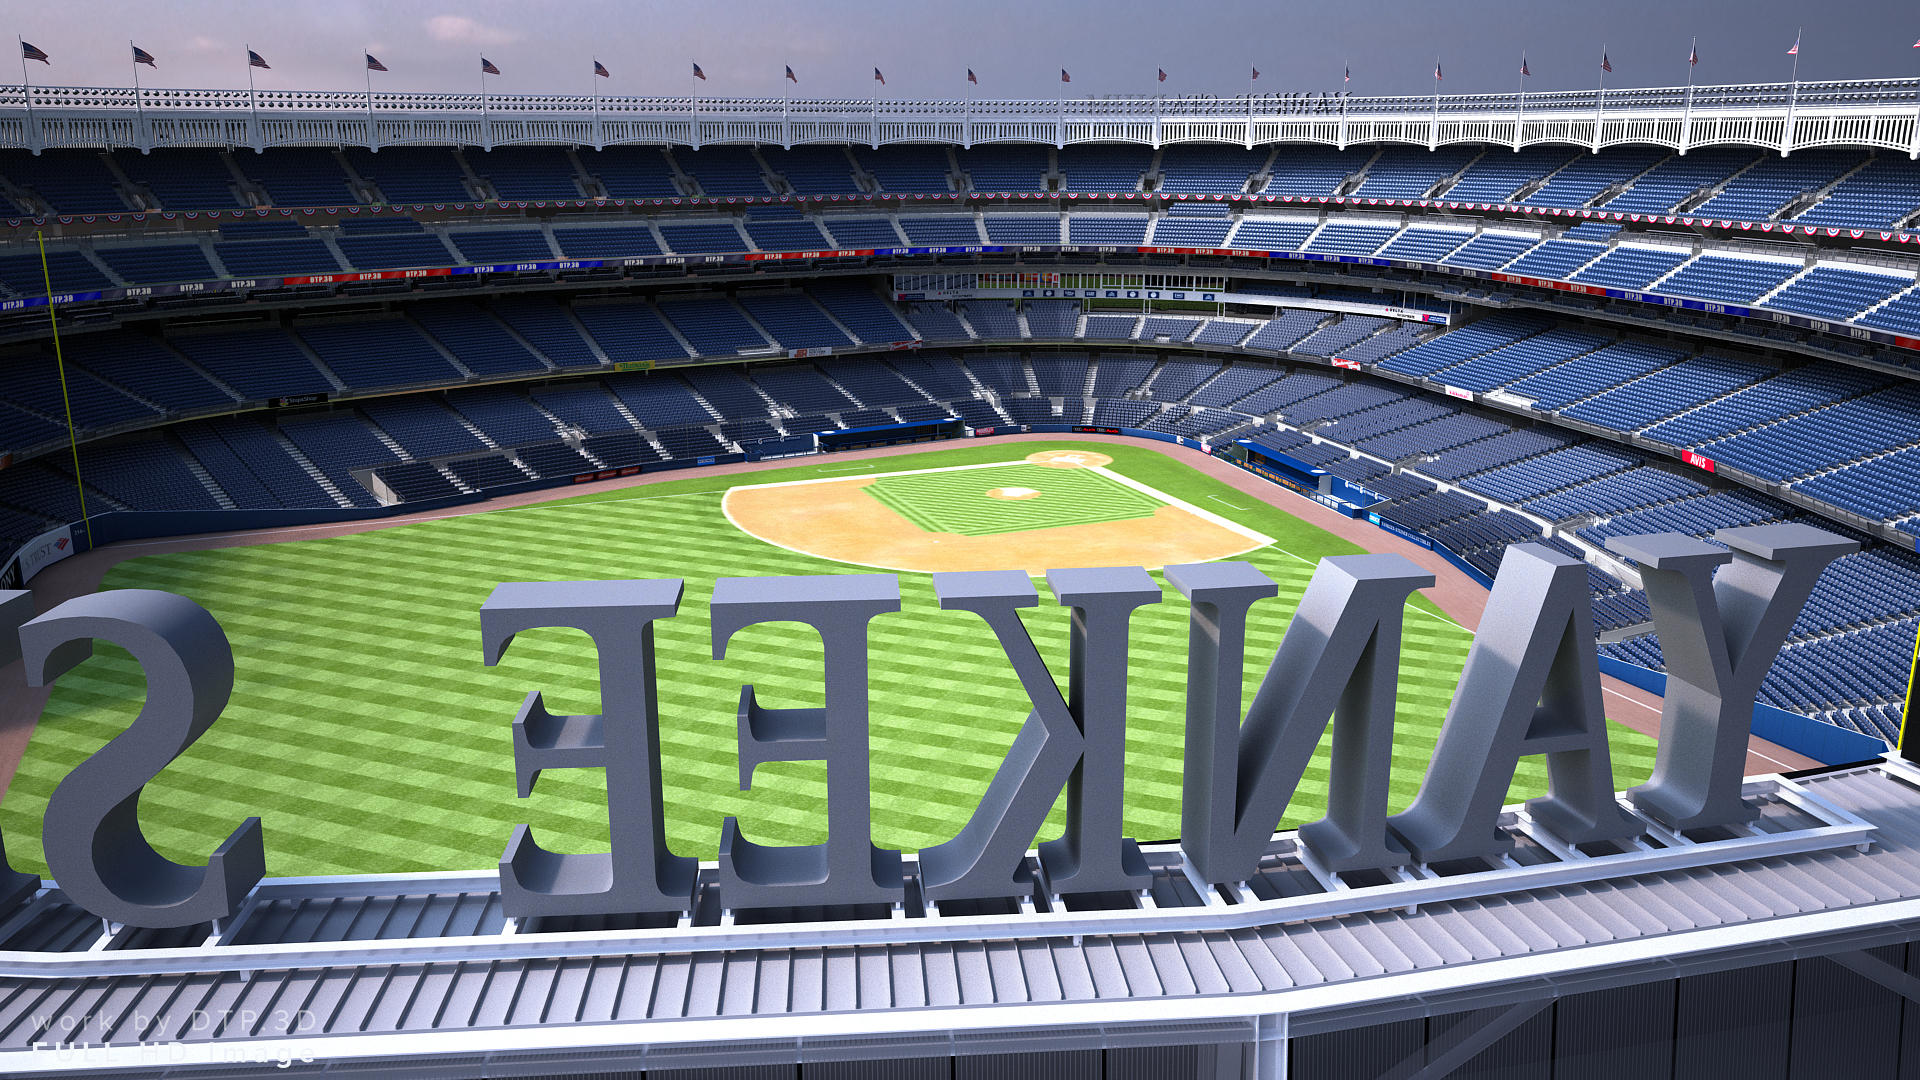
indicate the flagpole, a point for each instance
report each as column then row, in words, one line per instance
column 1793, row 97
column 1433, row 133
column 253, row 104
column 26, row 84
column 1520, row 114
column 1600, row 105
column 139, row 112
column 372, row 131
column 1686, row 120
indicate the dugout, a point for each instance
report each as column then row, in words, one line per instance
column 861, row 438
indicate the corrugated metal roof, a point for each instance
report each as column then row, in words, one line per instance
column 360, row 994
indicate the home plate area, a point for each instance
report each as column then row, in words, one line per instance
column 1055, row 508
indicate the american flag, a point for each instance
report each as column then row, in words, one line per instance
column 879, row 78
column 791, row 77
column 600, row 69
column 487, row 68
column 142, row 56
column 1436, row 71
column 1795, row 51
column 1605, row 64
column 254, row 59
column 1163, row 74
column 1348, row 77
column 698, row 74
column 28, row 52
column 374, row 65
column 1256, row 72
column 1064, row 77
column 1524, row 73
column 1693, row 55
column 971, row 79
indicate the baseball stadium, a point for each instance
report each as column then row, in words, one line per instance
column 346, row 371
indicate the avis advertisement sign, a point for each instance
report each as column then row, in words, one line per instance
column 1698, row 461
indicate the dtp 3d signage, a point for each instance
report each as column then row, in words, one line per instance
column 1531, row 685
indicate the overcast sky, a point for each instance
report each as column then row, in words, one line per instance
column 1016, row 48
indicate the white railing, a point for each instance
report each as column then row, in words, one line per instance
column 1783, row 116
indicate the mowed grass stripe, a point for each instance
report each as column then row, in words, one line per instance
column 368, row 736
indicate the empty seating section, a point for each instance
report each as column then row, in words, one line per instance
column 504, row 415
column 1396, row 339
column 1185, row 225
column 382, row 244
column 860, row 310
column 1665, row 393
column 502, row 246
column 70, row 271
column 1883, row 488
column 256, row 450
column 245, row 251
column 1232, row 385
column 992, row 318
column 423, row 426
column 1104, row 167
column 1549, row 472
column 630, row 171
column 1721, row 277
column 144, row 366
column 1877, row 197
column 1555, row 258
column 1829, row 292
column 157, row 263
column 916, row 169
column 526, row 172
column 936, row 323
column 546, row 325
column 1490, row 251
column 1341, row 401
column 416, row 481
column 554, row 460
column 703, row 239
column 1204, row 169
column 1156, row 328
column 723, row 170
column 859, row 232
column 1631, row 268
column 1424, row 245
column 1902, row 313
column 727, row 392
column 411, row 173
column 1823, row 438
column 1226, row 331
column 1678, row 177
column 1769, row 185
column 800, row 386
column 1629, row 490
column 1561, row 386
column 1110, row 413
column 1023, row 228
column 1694, row 517
column 1281, row 333
column 1003, row 374
column 873, row 384
column 1492, row 453
column 1125, row 229
column 658, row 400
column 1587, row 177
column 584, row 405
column 606, row 242
column 945, row 230
column 1393, row 414
column 1520, row 360
column 1119, row 327
column 1406, row 173
column 626, row 331
column 1060, row 374
column 937, row 374
column 1052, row 319
column 1485, row 335
column 1005, row 168
column 144, row 472
column 474, row 338
column 385, row 352
column 793, row 320
column 242, row 486
column 71, row 181
column 799, row 234
column 1178, row 378
column 260, row 362
column 336, row 444
column 1270, row 234
column 33, row 381
column 1313, row 170
column 1497, row 176
column 1119, row 374
column 1343, row 238
column 1335, row 339
column 1431, row 437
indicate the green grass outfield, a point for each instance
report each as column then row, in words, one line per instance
column 368, row 736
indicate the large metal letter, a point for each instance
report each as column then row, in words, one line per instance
column 16, row 607
column 987, row 858
column 1340, row 660
column 1531, row 685
column 1092, row 856
column 92, row 836
column 1719, row 635
column 847, row 869
column 639, row 874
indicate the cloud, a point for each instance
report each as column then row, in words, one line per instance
column 460, row 29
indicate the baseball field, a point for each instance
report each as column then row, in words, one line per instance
column 369, row 738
